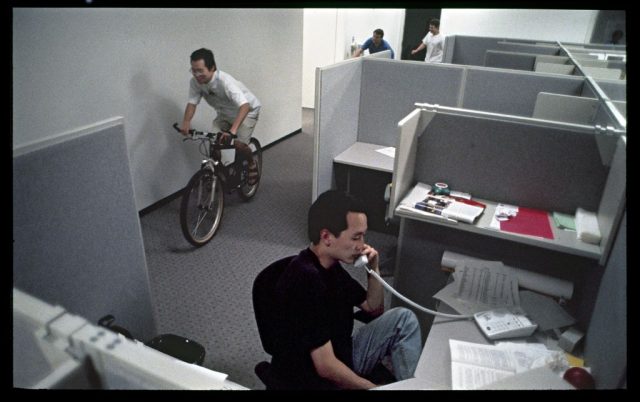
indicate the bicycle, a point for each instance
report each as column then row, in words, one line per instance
column 203, row 197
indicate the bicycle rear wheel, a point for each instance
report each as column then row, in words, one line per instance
column 201, row 207
column 248, row 191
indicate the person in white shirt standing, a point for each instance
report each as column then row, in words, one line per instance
column 434, row 42
column 237, row 108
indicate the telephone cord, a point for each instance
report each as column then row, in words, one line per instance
column 410, row 302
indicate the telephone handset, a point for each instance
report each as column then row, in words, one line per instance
column 361, row 261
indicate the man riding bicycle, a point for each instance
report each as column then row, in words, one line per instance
column 237, row 108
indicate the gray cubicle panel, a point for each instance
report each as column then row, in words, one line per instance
column 615, row 90
column 554, row 68
column 77, row 240
column 513, row 92
column 566, row 108
column 470, row 50
column 552, row 59
column 605, row 346
column 337, row 107
column 551, row 50
column 390, row 89
column 510, row 60
column 448, row 50
column 603, row 73
column 519, row 161
column 386, row 54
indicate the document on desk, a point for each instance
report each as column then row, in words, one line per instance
column 540, row 283
column 486, row 284
column 476, row 365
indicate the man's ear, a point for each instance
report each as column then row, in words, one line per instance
column 326, row 237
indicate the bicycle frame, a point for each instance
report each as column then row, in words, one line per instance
column 202, row 202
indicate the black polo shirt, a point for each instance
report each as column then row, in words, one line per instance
column 317, row 306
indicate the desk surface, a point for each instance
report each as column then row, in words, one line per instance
column 434, row 366
column 365, row 155
column 563, row 241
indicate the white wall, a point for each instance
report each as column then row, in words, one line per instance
column 328, row 34
column 554, row 25
column 74, row 67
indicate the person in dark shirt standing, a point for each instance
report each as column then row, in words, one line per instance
column 317, row 297
column 375, row 44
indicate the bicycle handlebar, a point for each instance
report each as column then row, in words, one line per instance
column 194, row 133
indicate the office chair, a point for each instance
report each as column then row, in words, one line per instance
column 182, row 348
column 263, row 294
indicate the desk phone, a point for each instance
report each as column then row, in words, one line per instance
column 501, row 323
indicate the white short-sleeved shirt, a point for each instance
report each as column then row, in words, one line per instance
column 435, row 44
column 225, row 94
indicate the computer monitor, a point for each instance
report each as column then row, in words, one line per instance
column 55, row 349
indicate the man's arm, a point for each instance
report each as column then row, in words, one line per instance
column 189, row 111
column 374, row 304
column 330, row 368
column 419, row 48
column 242, row 113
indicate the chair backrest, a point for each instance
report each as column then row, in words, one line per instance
column 266, row 311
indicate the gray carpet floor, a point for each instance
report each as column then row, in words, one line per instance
column 205, row 293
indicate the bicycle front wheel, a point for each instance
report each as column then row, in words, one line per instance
column 201, row 207
column 247, row 191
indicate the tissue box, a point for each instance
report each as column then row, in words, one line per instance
column 587, row 226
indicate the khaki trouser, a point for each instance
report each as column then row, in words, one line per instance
column 244, row 131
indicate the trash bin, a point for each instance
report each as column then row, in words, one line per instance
column 179, row 347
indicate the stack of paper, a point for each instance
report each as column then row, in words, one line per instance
column 475, row 365
column 479, row 286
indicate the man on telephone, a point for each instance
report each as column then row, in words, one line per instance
column 318, row 296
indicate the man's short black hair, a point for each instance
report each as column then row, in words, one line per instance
column 379, row 32
column 329, row 211
column 435, row 22
column 206, row 55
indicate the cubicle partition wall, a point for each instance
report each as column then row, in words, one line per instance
column 471, row 50
column 390, row 89
column 337, row 109
column 513, row 92
column 362, row 100
column 76, row 232
column 549, row 166
column 468, row 50
column 614, row 89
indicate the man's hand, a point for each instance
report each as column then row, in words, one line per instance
column 225, row 138
column 372, row 256
column 185, row 128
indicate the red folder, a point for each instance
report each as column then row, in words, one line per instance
column 532, row 222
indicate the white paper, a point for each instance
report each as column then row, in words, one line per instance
column 462, row 212
column 476, row 365
column 389, row 151
column 504, row 210
column 447, row 295
column 526, row 279
column 418, row 193
column 486, row 284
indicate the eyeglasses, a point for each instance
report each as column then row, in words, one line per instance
column 197, row 72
